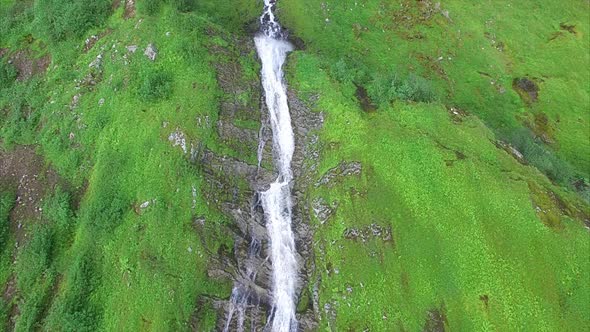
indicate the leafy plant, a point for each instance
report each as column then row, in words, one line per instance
column 385, row 88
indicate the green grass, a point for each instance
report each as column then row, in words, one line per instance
column 114, row 264
column 473, row 56
column 460, row 209
column 7, row 200
column 490, row 242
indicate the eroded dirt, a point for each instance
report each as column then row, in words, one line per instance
column 27, row 65
column 25, row 173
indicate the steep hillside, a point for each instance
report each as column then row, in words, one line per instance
column 441, row 164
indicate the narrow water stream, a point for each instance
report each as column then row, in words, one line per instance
column 272, row 48
column 276, row 201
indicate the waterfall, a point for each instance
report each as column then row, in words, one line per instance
column 272, row 49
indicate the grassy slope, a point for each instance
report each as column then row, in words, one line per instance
column 120, row 269
column 462, row 55
column 461, row 232
column 469, row 239
column 136, row 278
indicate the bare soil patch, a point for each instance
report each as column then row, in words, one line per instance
column 25, row 173
column 27, row 66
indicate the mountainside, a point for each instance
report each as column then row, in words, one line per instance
column 441, row 165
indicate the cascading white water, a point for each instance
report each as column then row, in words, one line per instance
column 276, row 201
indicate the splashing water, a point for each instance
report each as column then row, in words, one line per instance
column 241, row 296
column 272, row 49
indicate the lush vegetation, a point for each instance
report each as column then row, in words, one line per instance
column 6, row 204
column 472, row 54
column 478, row 240
column 62, row 19
column 468, row 238
column 113, row 261
column 423, row 96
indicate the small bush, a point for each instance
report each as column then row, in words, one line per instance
column 33, row 305
column 19, row 125
column 385, row 88
column 156, row 85
column 59, row 20
column 349, row 71
column 13, row 20
column 152, row 7
column 417, row 89
column 535, row 152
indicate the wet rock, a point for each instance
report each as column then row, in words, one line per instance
column 75, row 101
column 371, row 232
column 457, row 115
column 231, row 185
column 89, row 42
column 151, row 52
column 344, row 169
column 322, row 210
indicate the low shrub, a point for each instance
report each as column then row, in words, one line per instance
column 33, row 306
column 152, row 7
column 58, row 20
column 385, row 88
column 149, row 7
column 14, row 20
column 538, row 155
